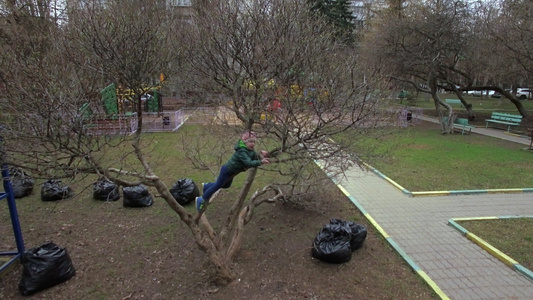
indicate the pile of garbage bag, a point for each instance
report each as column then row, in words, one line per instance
column 21, row 182
column 105, row 190
column 137, row 196
column 44, row 267
column 54, row 189
column 185, row 191
column 336, row 241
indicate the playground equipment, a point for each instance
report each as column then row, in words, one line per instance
column 109, row 97
column 121, row 101
column 9, row 196
column 119, row 115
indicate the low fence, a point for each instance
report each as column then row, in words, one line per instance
column 160, row 122
column 127, row 124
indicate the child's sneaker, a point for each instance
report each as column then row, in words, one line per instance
column 200, row 204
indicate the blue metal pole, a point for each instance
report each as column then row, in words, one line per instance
column 8, row 188
column 8, row 193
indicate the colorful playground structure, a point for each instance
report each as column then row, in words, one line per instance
column 120, row 116
column 121, row 101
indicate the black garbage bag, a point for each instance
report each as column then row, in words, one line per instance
column 136, row 196
column 332, row 244
column 185, row 191
column 21, row 182
column 53, row 190
column 358, row 232
column 105, row 190
column 44, row 267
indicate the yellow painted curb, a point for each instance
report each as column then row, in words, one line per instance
column 489, row 248
column 343, row 190
column 474, row 219
column 396, row 185
column 433, row 285
column 431, row 193
column 494, row 191
column 376, row 225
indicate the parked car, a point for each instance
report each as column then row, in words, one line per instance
column 524, row 93
column 476, row 93
column 480, row 93
column 499, row 95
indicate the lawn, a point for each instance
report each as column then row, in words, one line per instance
column 479, row 104
column 512, row 236
column 420, row 158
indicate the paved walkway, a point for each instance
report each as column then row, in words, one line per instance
column 501, row 134
column 418, row 228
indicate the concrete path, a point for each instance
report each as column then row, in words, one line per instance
column 501, row 134
column 418, row 228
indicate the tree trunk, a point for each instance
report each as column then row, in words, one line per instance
column 236, row 209
column 205, row 241
column 519, row 106
column 446, row 125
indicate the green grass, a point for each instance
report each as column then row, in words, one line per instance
column 514, row 237
column 422, row 159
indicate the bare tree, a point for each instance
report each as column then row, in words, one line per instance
column 257, row 53
column 440, row 45
column 512, row 30
column 509, row 29
column 487, row 63
column 249, row 51
column 51, row 72
column 424, row 43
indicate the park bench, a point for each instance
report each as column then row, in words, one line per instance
column 504, row 119
column 460, row 124
column 454, row 101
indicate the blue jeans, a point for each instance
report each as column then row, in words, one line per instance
column 224, row 181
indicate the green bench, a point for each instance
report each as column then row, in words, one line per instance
column 454, row 101
column 504, row 119
column 460, row 124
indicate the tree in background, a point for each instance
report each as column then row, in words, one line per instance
column 440, row 45
column 421, row 44
column 338, row 14
column 510, row 29
column 51, row 73
column 514, row 29
column 485, row 64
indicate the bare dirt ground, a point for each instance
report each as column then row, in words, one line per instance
column 146, row 253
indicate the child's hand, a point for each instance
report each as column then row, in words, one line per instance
column 264, row 153
column 265, row 161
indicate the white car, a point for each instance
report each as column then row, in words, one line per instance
column 524, row 93
column 480, row 93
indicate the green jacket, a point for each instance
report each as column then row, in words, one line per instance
column 242, row 159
